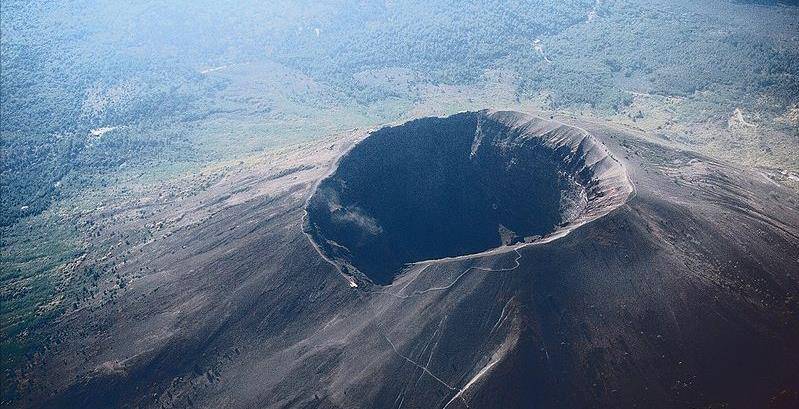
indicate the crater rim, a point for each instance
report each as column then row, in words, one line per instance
column 603, row 178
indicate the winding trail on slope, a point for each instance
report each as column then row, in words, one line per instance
column 425, row 368
column 451, row 284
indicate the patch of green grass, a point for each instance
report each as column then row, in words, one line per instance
column 31, row 260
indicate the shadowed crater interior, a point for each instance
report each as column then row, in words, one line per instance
column 444, row 187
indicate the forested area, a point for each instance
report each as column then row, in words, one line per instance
column 72, row 67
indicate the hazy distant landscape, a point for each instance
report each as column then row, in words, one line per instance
column 125, row 124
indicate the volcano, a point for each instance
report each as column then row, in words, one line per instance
column 484, row 260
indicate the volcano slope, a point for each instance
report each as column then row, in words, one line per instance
column 489, row 259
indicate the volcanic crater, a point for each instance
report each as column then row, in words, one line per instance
column 470, row 183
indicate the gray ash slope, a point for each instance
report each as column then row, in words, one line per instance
column 683, row 295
